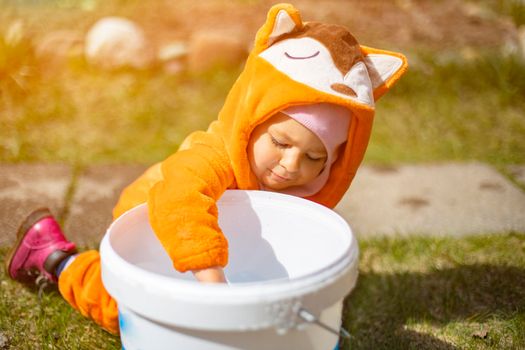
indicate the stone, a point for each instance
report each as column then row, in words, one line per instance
column 115, row 42
column 55, row 48
column 172, row 51
column 438, row 199
column 209, row 49
column 26, row 187
column 96, row 193
column 4, row 341
column 453, row 199
column 173, row 56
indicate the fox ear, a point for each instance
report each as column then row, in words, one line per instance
column 281, row 19
column 384, row 68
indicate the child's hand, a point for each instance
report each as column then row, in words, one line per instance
column 210, row 275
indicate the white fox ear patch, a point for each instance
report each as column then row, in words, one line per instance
column 284, row 24
column 282, row 19
column 381, row 67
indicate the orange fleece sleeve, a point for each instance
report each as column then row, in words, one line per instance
column 182, row 206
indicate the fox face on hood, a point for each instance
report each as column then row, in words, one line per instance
column 325, row 57
column 294, row 63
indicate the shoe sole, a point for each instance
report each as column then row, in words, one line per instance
column 30, row 220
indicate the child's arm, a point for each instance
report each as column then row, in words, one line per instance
column 183, row 210
column 211, row 275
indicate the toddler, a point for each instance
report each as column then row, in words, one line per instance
column 296, row 121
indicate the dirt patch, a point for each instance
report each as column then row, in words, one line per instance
column 396, row 24
column 390, row 24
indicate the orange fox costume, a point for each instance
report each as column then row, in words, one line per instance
column 292, row 63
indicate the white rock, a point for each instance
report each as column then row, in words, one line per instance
column 4, row 341
column 56, row 47
column 173, row 51
column 115, row 42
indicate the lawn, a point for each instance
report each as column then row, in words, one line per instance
column 412, row 293
column 456, row 110
column 439, row 293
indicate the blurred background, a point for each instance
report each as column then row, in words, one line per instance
column 115, row 81
column 96, row 82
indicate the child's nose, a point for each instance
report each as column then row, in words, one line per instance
column 291, row 161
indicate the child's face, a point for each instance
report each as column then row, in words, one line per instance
column 284, row 153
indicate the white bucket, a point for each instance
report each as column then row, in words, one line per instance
column 286, row 254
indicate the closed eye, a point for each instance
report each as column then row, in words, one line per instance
column 278, row 144
column 300, row 57
column 315, row 158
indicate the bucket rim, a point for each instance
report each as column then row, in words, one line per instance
column 236, row 292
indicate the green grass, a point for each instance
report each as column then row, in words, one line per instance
column 87, row 116
column 27, row 322
column 438, row 293
column 412, row 293
column 451, row 108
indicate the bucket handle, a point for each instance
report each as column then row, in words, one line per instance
column 310, row 318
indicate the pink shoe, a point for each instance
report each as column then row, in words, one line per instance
column 39, row 248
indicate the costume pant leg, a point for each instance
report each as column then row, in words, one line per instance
column 81, row 286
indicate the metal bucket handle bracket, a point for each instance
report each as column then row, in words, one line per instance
column 290, row 314
column 310, row 318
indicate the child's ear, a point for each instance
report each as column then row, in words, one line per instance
column 384, row 68
column 281, row 19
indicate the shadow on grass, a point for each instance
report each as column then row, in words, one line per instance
column 382, row 305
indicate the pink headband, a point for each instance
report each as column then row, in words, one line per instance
column 330, row 123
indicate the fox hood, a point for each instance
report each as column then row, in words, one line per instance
column 292, row 63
